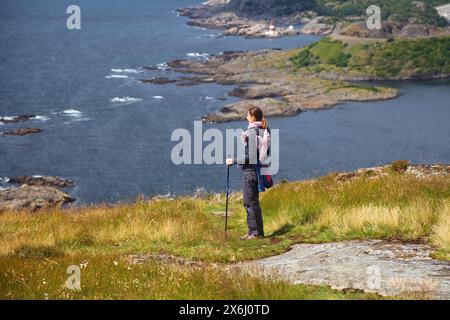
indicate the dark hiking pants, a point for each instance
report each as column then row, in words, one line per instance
column 251, row 201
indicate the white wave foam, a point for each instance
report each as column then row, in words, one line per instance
column 116, row 76
column 41, row 118
column 207, row 98
column 158, row 97
column 125, row 100
column 4, row 180
column 11, row 118
column 72, row 113
column 8, row 118
column 124, row 71
column 162, row 66
column 198, row 54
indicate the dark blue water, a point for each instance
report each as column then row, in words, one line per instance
column 116, row 151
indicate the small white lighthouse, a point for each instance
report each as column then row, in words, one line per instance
column 272, row 26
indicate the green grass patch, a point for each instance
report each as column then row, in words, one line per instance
column 409, row 58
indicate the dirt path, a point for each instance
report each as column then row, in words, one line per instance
column 388, row 268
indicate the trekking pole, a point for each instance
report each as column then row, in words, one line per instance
column 226, row 203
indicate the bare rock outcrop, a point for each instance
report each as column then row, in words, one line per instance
column 16, row 119
column 317, row 26
column 387, row 268
column 20, row 132
column 391, row 29
column 399, row 166
column 238, row 111
column 158, row 80
column 32, row 197
column 212, row 16
column 48, row 181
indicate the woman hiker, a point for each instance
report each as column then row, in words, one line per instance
column 249, row 167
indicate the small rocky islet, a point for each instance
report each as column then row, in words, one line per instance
column 35, row 192
column 19, row 131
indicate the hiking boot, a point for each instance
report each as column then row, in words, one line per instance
column 245, row 237
column 253, row 237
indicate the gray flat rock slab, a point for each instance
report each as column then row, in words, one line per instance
column 387, row 268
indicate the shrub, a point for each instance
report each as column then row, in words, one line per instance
column 400, row 166
column 303, row 59
column 341, row 59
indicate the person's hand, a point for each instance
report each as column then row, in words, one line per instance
column 229, row 161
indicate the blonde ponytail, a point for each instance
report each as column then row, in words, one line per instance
column 264, row 123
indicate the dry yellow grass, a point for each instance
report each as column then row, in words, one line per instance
column 412, row 221
column 142, row 222
column 441, row 231
column 318, row 210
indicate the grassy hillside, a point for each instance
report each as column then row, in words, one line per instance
column 426, row 57
column 36, row 249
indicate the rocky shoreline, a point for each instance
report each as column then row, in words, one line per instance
column 38, row 192
column 48, row 181
column 401, row 167
column 214, row 15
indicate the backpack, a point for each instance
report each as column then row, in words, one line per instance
column 265, row 181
